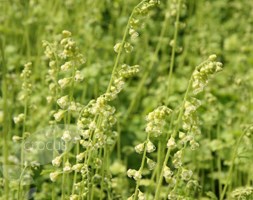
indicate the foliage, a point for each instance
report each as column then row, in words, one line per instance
column 140, row 99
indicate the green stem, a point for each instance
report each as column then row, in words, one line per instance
column 75, row 174
column 116, row 63
column 157, row 194
column 141, row 168
column 219, row 159
column 104, row 168
column 20, row 182
column 149, row 68
column 98, row 119
column 178, row 172
column 119, row 142
column 231, row 167
column 5, row 123
column 159, row 158
column 22, row 148
column 172, row 61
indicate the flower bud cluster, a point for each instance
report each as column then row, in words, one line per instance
column 177, row 159
column 26, row 84
column 118, row 82
column 72, row 59
column 96, row 123
column 190, row 122
column 100, row 107
column 116, row 88
column 173, row 8
column 171, row 144
column 70, row 49
column 127, row 47
column 168, row 174
column 242, row 193
column 151, row 164
column 156, row 120
column 146, row 6
column 127, row 71
column 186, row 174
column 49, row 51
column 19, row 119
column 202, row 73
column 141, row 196
column 64, row 59
column 54, row 175
column 173, row 196
column 132, row 173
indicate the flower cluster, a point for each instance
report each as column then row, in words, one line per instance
column 190, row 122
column 156, row 120
column 202, row 73
column 135, row 22
column 242, row 193
column 64, row 59
column 26, row 85
column 146, row 6
column 200, row 78
column 127, row 71
column 26, row 91
column 97, row 119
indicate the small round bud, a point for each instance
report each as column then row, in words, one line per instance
column 66, row 137
column 167, row 173
column 78, row 76
column 16, row 138
column 66, row 66
column 212, row 57
column 57, row 161
column 64, row 82
column 66, row 34
column 19, row 119
column 77, row 167
column 128, row 47
column 171, row 144
column 67, row 167
column 150, row 147
column 139, row 148
column 80, row 157
column 59, row 115
column 54, row 175
column 63, row 102
column 117, row 47
column 186, row 174
column 151, row 164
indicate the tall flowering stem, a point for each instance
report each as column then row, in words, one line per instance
column 197, row 82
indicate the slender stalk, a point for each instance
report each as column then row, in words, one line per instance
column 119, row 142
column 158, row 189
column 98, row 119
column 75, row 174
column 212, row 164
column 5, row 122
column 149, row 68
column 104, row 168
column 159, row 158
column 219, row 160
column 172, row 61
column 230, row 172
column 22, row 148
column 116, row 63
column 141, row 168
